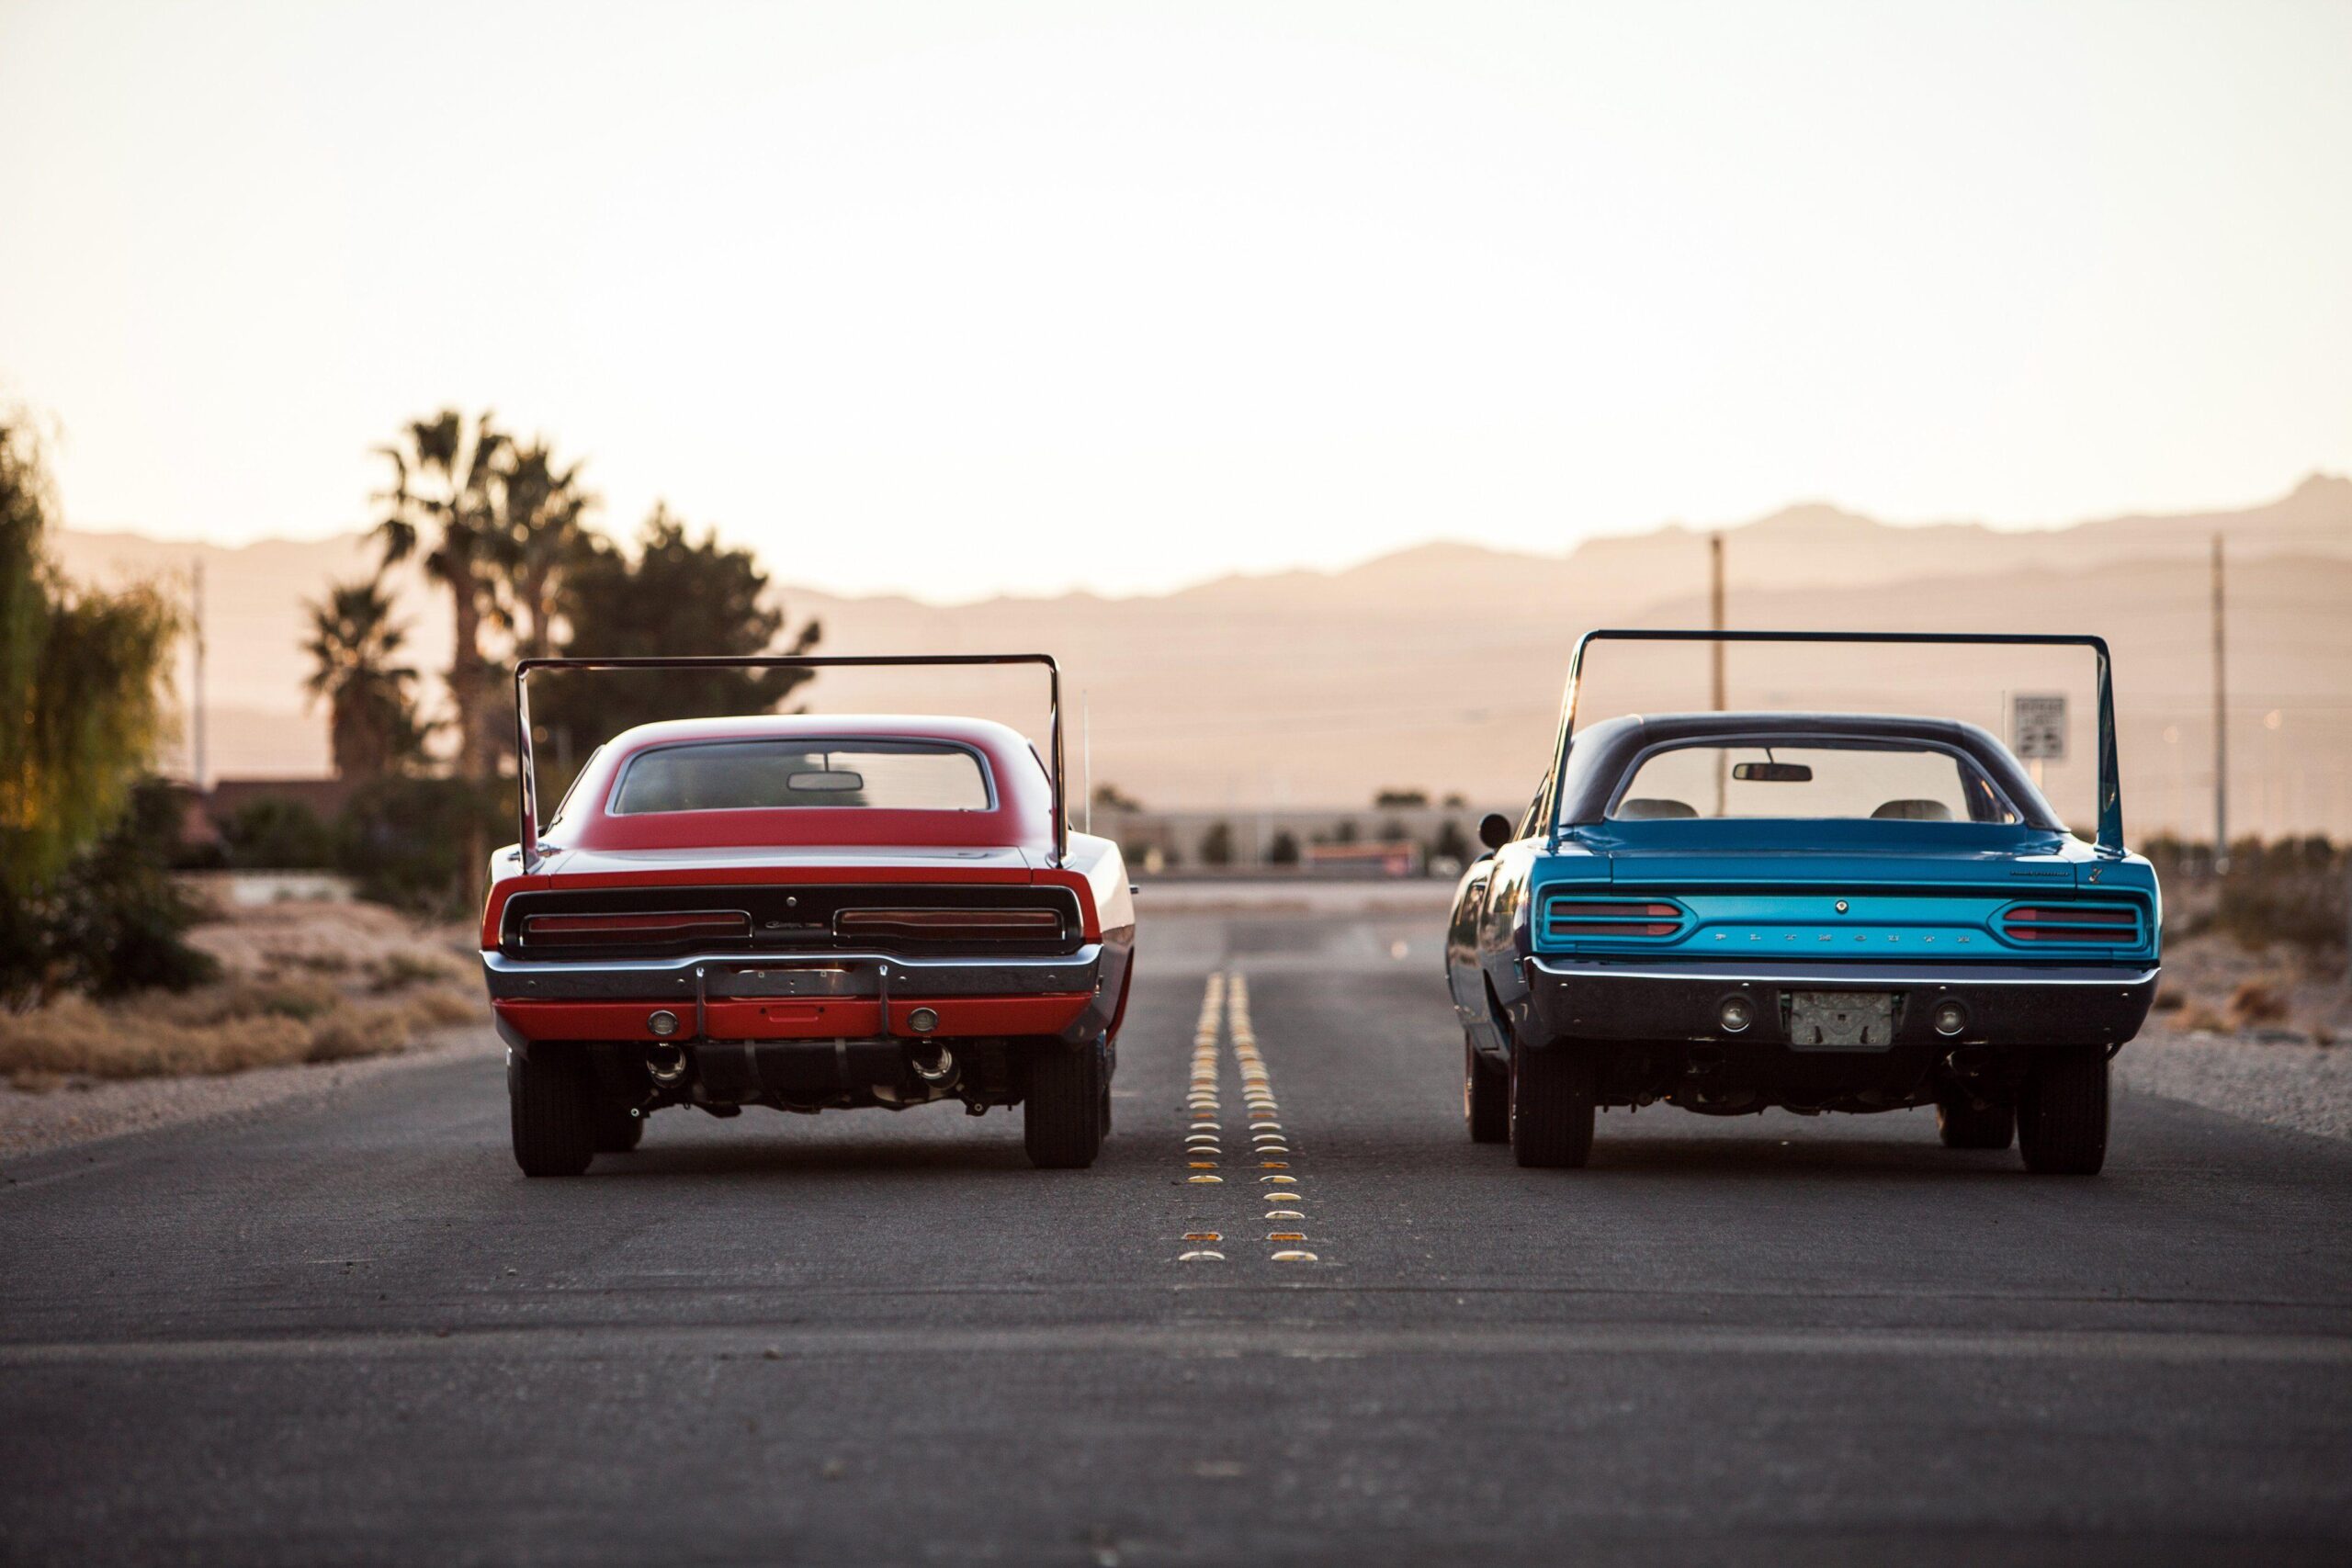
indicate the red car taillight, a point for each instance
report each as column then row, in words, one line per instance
column 1581, row 918
column 623, row 930
column 952, row 925
column 2060, row 922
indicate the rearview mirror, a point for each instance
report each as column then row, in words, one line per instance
column 1494, row 830
column 832, row 782
column 1771, row 773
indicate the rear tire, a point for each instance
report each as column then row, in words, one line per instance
column 1551, row 1105
column 1486, row 1097
column 2061, row 1113
column 1965, row 1125
column 1062, row 1111
column 551, row 1105
column 617, row 1132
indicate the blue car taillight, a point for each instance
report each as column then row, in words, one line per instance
column 2101, row 925
column 1618, row 918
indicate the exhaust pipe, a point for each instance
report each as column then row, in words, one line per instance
column 938, row 1070
column 666, row 1064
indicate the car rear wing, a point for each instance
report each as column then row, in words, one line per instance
column 525, row 776
column 2110, row 780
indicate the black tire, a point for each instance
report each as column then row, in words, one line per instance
column 1963, row 1125
column 1486, row 1097
column 617, row 1132
column 1551, row 1105
column 552, row 1109
column 1061, row 1111
column 2061, row 1113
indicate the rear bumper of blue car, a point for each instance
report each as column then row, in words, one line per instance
column 1998, row 1004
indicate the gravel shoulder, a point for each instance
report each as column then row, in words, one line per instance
column 86, row 1112
column 2307, row 1088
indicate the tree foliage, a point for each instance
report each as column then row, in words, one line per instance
column 85, row 901
column 82, row 676
column 680, row 594
column 354, row 648
column 443, row 508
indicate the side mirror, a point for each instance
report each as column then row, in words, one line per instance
column 1494, row 830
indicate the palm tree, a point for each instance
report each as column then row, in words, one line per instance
column 544, row 514
column 443, row 502
column 371, row 714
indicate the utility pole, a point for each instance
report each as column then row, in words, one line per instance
column 2221, row 729
column 195, row 694
column 1716, row 650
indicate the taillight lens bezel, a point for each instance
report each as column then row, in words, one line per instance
column 2056, row 923
column 950, row 924
column 1644, row 918
column 633, row 928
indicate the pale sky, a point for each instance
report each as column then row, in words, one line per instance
column 965, row 298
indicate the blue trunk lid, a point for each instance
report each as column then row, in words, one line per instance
column 1846, row 890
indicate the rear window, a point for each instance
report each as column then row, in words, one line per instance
column 1906, row 783
column 750, row 775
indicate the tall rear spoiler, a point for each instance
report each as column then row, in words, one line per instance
column 526, row 788
column 2110, row 774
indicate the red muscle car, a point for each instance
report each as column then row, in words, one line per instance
column 805, row 912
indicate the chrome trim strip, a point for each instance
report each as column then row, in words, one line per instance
column 1842, row 974
column 745, row 975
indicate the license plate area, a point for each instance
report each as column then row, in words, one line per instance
column 1841, row 1021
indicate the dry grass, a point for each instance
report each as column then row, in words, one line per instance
column 305, row 983
column 218, row 1029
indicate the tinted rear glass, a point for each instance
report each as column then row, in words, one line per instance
column 1812, row 780
column 740, row 776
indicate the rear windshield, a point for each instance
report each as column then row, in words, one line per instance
column 1813, row 779
column 740, row 776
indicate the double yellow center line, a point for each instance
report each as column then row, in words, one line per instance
column 1272, row 1150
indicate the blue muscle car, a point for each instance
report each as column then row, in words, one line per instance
column 1727, row 911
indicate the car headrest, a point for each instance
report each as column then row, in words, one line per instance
column 1912, row 811
column 1639, row 810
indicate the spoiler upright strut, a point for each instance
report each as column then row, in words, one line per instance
column 526, row 777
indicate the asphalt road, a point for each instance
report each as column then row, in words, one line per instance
column 349, row 1330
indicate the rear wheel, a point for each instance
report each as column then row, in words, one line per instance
column 1063, row 1109
column 1486, row 1097
column 617, row 1132
column 1551, row 1105
column 551, row 1105
column 2061, row 1113
column 1965, row 1125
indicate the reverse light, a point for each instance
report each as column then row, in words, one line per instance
column 952, row 925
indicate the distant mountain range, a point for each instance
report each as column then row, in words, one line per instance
column 1440, row 667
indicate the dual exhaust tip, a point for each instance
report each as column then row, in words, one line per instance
column 666, row 1063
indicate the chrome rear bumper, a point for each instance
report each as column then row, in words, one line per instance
column 734, row 975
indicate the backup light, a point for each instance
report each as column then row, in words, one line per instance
column 664, row 1023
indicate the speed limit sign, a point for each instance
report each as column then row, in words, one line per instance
column 2038, row 726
